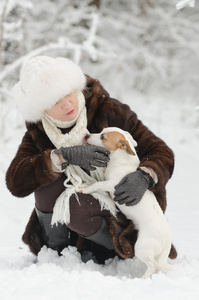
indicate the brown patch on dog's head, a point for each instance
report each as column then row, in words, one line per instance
column 115, row 140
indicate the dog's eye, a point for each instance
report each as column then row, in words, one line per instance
column 102, row 137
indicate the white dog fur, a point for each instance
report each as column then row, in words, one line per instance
column 154, row 236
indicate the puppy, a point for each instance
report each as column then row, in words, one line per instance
column 154, row 237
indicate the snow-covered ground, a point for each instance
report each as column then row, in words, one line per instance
column 67, row 277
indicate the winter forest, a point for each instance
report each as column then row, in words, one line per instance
column 145, row 53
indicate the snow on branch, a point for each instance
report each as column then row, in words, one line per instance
column 89, row 43
column 3, row 15
column 50, row 47
column 183, row 3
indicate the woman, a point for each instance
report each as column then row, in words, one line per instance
column 60, row 104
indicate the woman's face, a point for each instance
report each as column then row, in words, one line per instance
column 66, row 109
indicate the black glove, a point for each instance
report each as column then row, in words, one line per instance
column 87, row 157
column 132, row 187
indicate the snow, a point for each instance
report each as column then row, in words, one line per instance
column 23, row 276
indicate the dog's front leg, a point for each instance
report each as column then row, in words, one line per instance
column 98, row 186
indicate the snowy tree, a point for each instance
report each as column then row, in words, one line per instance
column 51, row 27
column 142, row 45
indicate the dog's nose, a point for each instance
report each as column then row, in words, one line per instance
column 86, row 136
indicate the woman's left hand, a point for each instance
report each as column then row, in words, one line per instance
column 132, row 187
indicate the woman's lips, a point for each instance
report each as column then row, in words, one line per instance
column 70, row 112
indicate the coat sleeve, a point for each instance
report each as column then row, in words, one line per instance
column 152, row 151
column 30, row 169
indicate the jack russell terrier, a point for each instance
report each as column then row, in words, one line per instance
column 154, row 238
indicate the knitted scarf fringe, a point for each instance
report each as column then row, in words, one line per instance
column 80, row 179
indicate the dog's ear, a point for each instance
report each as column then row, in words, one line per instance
column 124, row 145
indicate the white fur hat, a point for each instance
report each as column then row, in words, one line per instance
column 44, row 81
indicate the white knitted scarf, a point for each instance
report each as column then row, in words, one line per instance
column 76, row 178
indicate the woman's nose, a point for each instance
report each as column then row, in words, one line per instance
column 66, row 103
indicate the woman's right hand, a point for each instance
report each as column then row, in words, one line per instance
column 86, row 157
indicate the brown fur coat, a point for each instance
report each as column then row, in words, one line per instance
column 31, row 168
